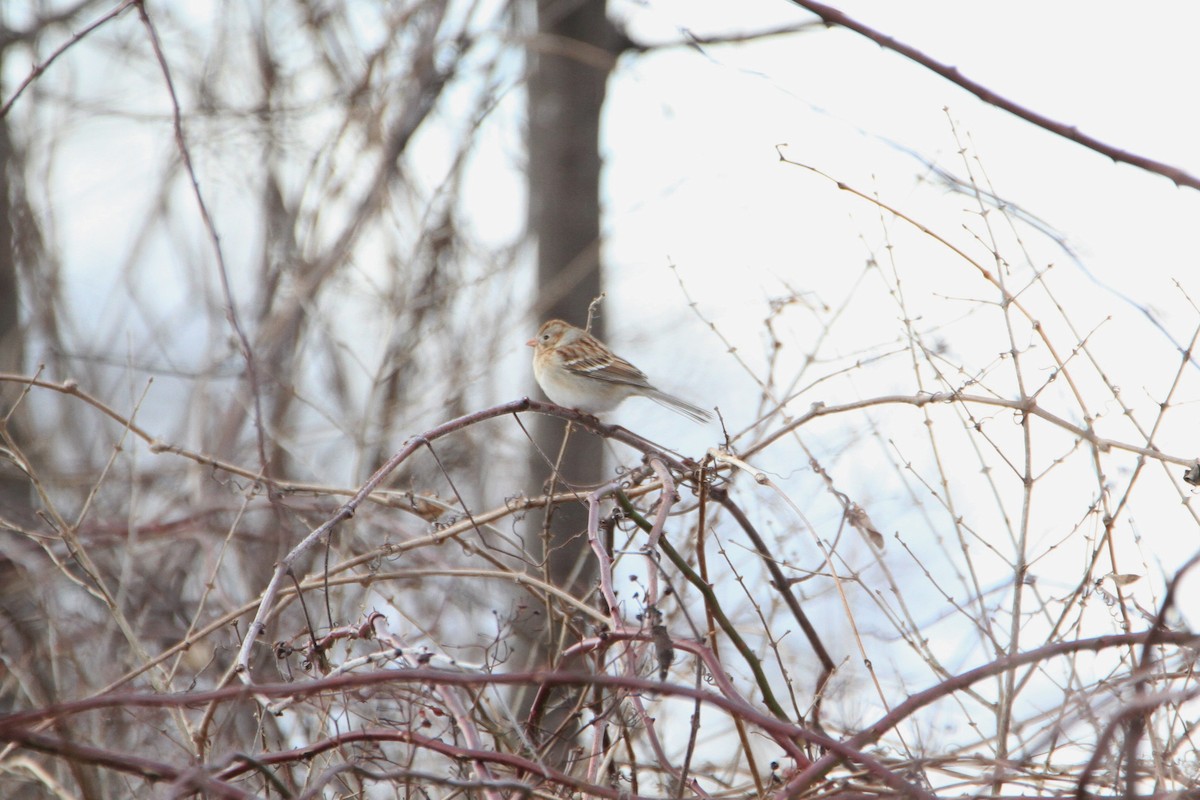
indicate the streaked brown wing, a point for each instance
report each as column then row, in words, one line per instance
column 589, row 357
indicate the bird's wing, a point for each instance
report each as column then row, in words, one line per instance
column 596, row 362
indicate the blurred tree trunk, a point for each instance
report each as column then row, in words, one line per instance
column 14, row 484
column 566, row 91
column 26, row 679
column 19, row 613
column 570, row 59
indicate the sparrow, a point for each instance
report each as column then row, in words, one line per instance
column 577, row 370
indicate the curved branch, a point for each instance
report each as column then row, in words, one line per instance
column 809, row 776
column 347, row 510
column 9, row 36
column 15, row 728
column 831, row 16
column 1028, row 406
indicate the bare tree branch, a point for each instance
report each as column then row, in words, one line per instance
column 832, row 16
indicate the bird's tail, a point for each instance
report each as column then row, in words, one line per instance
column 694, row 413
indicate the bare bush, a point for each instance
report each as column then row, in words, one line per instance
column 273, row 543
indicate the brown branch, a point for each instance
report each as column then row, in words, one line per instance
column 1136, row 713
column 153, row 771
column 719, row 494
column 784, row 734
column 832, row 16
column 411, row 446
column 736, row 37
column 1028, row 406
column 536, row 768
column 919, row 700
column 15, row 727
column 42, row 66
column 210, row 227
column 714, row 609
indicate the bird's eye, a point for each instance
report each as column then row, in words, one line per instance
column 545, row 337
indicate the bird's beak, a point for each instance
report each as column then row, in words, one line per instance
column 531, row 343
